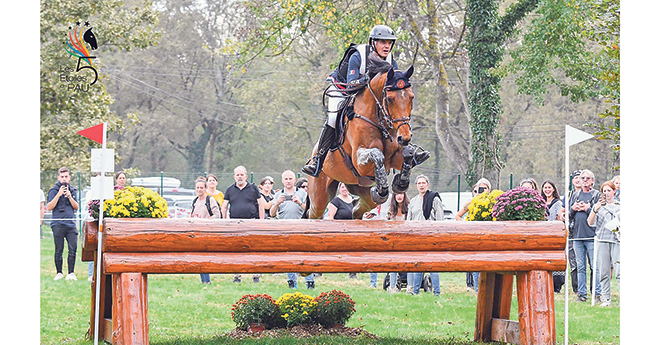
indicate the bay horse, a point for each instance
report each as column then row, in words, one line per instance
column 375, row 140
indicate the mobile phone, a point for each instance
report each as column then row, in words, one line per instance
column 288, row 197
column 481, row 190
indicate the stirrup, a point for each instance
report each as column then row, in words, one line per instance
column 311, row 168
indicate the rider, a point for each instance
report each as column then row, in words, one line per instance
column 381, row 41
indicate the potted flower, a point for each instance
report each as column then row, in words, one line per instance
column 481, row 206
column 255, row 313
column 520, row 203
column 296, row 308
column 333, row 308
column 131, row 202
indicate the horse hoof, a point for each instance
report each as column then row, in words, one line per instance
column 399, row 185
column 376, row 197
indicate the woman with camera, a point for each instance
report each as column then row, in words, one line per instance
column 605, row 216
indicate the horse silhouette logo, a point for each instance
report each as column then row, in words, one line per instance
column 74, row 44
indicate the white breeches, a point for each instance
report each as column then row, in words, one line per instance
column 334, row 100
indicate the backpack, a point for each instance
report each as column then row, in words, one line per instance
column 208, row 205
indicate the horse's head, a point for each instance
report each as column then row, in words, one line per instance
column 397, row 100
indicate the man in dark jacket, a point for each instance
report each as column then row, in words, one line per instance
column 62, row 201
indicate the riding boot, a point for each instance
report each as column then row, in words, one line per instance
column 314, row 165
column 420, row 155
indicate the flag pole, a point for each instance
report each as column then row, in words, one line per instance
column 567, row 274
column 97, row 279
column 572, row 136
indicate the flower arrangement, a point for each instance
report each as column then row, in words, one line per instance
column 260, row 308
column 296, row 308
column 520, row 203
column 131, row 202
column 333, row 308
column 481, row 206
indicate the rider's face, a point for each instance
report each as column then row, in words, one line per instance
column 383, row 47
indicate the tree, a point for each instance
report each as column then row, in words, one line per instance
column 574, row 45
column 487, row 34
column 185, row 87
column 65, row 109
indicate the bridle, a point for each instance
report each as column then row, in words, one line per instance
column 385, row 121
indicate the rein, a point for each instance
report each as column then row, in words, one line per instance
column 385, row 121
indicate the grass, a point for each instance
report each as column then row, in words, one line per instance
column 184, row 311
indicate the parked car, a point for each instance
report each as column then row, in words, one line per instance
column 451, row 202
column 179, row 206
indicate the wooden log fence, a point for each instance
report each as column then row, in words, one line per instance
column 134, row 248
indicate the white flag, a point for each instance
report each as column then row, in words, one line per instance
column 575, row 136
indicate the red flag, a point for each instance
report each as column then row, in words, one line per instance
column 94, row 133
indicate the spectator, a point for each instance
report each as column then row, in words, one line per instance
column 62, row 201
column 301, row 183
column 576, row 184
column 266, row 189
column 552, row 201
column 288, row 203
column 483, row 185
column 204, row 206
column 120, row 180
column 211, row 189
column 427, row 205
column 604, row 211
column 397, row 210
column 616, row 180
column 531, row 184
column 341, row 207
column 583, row 243
column 243, row 201
column 553, row 204
column 42, row 200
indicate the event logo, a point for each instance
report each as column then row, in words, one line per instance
column 75, row 44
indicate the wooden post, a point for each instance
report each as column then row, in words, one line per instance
column 129, row 312
column 493, row 302
column 536, row 308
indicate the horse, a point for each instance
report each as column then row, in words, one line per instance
column 375, row 140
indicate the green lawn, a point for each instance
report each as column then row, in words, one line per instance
column 184, row 311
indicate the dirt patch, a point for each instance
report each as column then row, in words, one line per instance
column 303, row 331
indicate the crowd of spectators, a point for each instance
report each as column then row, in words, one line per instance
column 593, row 212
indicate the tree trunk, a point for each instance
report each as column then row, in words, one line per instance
column 458, row 158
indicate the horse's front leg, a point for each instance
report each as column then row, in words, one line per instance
column 401, row 180
column 380, row 191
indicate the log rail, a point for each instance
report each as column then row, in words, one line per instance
column 134, row 248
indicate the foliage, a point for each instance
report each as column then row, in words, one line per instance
column 333, row 308
column 574, row 45
column 487, row 32
column 131, row 202
column 296, row 308
column 481, row 206
column 65, row 110
column 259, row 308
column 520, row 203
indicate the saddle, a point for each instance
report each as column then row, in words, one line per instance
column 346, row 114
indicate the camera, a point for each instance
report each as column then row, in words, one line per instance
column 288, row 197
column 481, row 190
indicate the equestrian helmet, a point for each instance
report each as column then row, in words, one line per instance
column 381, row 32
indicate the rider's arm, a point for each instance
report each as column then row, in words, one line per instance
column 353, row 71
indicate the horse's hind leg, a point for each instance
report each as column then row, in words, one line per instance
column 380, row 191
column 320, row 191
column 364, row 204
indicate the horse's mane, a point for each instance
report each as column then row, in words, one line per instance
column 376, row 65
